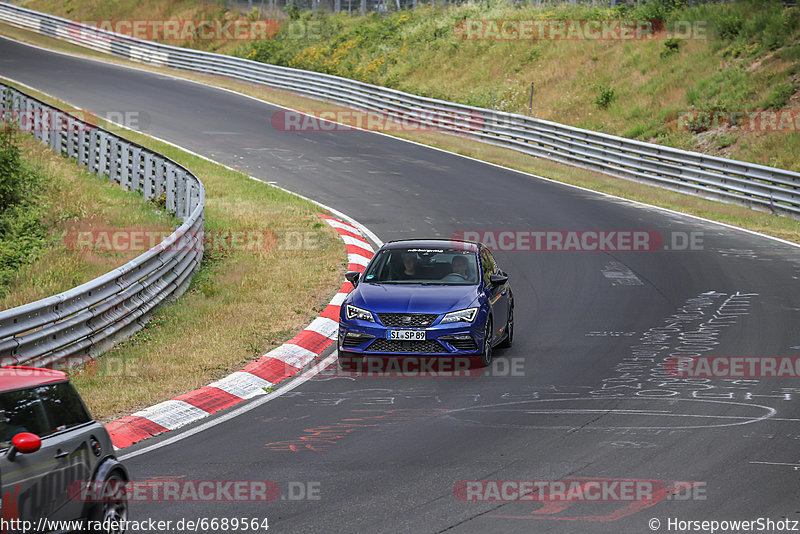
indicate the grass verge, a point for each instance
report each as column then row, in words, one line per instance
column 39, row 252
column 242, row 302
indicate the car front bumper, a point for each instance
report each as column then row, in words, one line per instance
column 365, row 338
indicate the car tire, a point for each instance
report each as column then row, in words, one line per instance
column 485, row 357
column 113, row 505
column 509, row 339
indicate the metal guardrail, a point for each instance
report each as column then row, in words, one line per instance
column 756, row 186
column 80, row 323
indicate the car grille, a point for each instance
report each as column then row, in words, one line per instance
column 351, row 342
column 415, row 319
column 395, row 345
column 354, row 339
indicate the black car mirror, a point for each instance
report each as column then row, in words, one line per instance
column 498, row 279
column 352, row 277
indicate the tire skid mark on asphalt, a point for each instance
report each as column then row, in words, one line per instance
column 321, row 437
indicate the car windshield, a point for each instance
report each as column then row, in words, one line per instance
column 423, row 265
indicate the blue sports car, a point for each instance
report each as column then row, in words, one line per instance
column 432, row 297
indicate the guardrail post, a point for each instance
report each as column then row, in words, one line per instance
column 102, row 159
column 83, row 146
column 19, row 103
column 188, row 199
column 7, row 110
column 54, row 131
column 27, row 110
column 5, row 105
column 180, row 194
column 170, row 188
column 94, row 141
column 136, row 169
column 124, row 166
column 114, row 160
column 530, row 104
column 158, row 185
column 17, row 108
column 148, row 181
column 40, row 128
column 11, row 110
column 71, row 127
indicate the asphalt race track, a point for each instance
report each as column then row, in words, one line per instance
column 588, row 399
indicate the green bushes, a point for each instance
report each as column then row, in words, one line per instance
column 729, row 26
column 766, row 24
column 662, row 10
column 22, row 232
column 671, row 46
column 779, row 96
column 13, row 175
column 605, row 96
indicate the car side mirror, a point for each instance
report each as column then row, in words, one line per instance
column 498, row 279
column 24, row 443
column 352, row 277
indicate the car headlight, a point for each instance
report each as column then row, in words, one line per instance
column 354, row 312
column 467, row 316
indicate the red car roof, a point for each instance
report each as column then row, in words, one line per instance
column 23, row 377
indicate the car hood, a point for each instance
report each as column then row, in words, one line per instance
column 402, row 298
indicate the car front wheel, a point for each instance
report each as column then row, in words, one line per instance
column 509, row 329
column 486, row 355
column 111, row 512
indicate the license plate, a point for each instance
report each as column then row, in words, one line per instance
column 406, row 335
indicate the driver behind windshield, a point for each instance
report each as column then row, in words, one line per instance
column 460, row 269
column 410, row 267
column 459, row 266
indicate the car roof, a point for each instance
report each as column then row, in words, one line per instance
column 432, row 243
column 23, row 377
